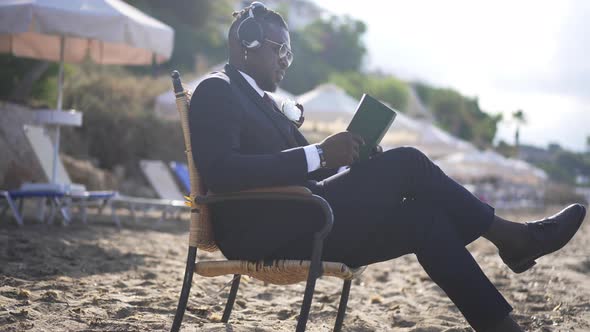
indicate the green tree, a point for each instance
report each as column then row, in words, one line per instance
column 520, row 118
column 322, row 48
column 200, row 26
column 31, row 81
column 386, row 88
column 459, row 115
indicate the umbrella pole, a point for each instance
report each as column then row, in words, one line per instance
column 60, row 83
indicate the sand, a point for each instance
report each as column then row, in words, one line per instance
column 97, row 277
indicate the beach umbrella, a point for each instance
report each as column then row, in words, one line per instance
column 106, row 31
column 432, row 140
column 475, row 165
column 328, row 103
column 478, row 165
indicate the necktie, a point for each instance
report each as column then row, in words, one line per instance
column 268, row 100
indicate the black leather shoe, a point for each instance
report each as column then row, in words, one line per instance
column 547, row 235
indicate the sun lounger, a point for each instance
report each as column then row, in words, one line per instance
column 77, row 195
column 181, row 172
column 12, row 197
column 74, row 194
column 135, row 204
column 159, row 177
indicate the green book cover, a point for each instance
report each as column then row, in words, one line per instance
column 371, row 121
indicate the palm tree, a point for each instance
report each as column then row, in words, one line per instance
column 520, row 118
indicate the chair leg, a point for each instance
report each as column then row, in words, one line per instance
column 163, row 216
column 133, row 213
column 51, row 211
column 232, row 298
column 41, row 207
column 342, row 305
column 84, row 212
column 64, row 209
column 15, row 213
column 114, row 215
column 315, row 271
column 21, row 206
column 102, row 205
column 186, row 288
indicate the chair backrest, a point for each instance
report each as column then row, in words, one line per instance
column 44, row 149
column 160, row 179
column 182, row 174
column 201, row 230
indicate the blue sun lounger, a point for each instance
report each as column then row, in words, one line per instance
column 12, row 197
column 59, row 200
column 181, row 172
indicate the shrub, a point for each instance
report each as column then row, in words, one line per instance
column 119, row 126
column 385, row 88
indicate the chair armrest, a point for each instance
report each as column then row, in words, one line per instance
column 285, row 190
column 298, row 193
column 286, row 193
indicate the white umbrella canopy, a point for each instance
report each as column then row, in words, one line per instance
column 523, row 172
column 430, row 139
column 473, row 166
column 106, row 31
column 328, row 103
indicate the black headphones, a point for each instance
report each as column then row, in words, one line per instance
column 250, row 32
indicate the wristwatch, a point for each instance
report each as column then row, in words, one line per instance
column 323, row 163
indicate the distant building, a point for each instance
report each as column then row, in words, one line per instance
column 297, row 13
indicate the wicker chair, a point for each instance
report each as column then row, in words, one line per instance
column 279, row 272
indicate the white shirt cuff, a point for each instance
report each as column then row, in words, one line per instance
column 312, row 157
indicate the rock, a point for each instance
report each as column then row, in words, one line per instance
column 82, row 171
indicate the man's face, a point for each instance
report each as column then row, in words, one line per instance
column 264, row 63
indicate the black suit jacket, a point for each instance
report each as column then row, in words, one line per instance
column 240, row 142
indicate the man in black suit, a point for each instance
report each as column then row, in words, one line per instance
column 396, row 203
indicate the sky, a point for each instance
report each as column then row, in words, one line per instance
column 529, row 55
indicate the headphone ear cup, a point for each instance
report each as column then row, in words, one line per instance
column 250, row 33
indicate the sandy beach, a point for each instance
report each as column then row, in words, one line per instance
column 97, row 277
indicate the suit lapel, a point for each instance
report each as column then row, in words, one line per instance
column 274, row 117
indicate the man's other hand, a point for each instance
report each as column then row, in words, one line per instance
column 341, row 149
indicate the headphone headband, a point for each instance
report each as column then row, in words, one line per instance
column 250, row 32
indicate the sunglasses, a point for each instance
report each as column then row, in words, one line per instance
column 284, row 51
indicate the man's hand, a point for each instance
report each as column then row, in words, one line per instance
column 341, row 149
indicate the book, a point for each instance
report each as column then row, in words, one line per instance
column 371, row 121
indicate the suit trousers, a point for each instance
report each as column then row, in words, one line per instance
column 400, row 202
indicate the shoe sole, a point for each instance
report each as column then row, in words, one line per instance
column 529, row 262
